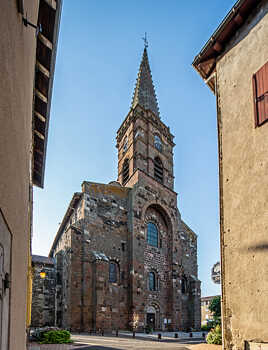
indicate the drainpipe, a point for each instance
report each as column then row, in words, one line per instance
column 29, row 259
column 219, row 124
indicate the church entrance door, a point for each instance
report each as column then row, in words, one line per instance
column 151, row 320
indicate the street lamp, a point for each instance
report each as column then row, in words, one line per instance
column 43, row 273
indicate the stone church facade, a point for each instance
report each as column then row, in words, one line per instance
column 123, row 256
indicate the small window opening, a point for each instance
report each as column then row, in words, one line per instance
column 125, row 171
column 158, row 170
column 112, row 272
column 183, row 285
column 152, row 234
column 125, row 146
column 152, row 281
column 122, row 275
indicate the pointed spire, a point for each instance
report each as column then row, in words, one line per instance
column 144, row 93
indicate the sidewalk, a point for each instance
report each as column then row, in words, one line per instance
column 165, row 335
column 204, row 347
column 36, row 346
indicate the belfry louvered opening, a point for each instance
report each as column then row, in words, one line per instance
column 158, row 169
column 125, row 171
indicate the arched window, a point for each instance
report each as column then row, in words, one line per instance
column 125, row 171
column 158, row 169
column 152, row 234
column 112, row 272
column 157, row 143
column 152, row 281
column 125, row 145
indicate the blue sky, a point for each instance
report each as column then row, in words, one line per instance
column 99, row 53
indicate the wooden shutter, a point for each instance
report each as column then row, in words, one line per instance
column 260, row 91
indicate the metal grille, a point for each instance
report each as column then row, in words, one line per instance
column 152, row 234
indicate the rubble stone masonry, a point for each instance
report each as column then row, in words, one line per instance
column 107, row 228
column 112, row 271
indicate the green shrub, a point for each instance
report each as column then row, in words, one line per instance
column 214, row 336
column 56, row 337
column 206, row 328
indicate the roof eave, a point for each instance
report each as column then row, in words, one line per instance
column 75, row 200
column 38, row 172
column 216, row 44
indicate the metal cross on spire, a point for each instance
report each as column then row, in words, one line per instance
column 144, row 93
column 145, row 40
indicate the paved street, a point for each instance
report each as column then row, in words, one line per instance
column 114, row 343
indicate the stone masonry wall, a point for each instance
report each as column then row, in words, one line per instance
column 62, row 255
column 139, row 128
column 43, row 295
column 178, row 254
column 103, row 230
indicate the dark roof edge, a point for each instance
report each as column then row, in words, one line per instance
column 210, row 297
column 219, row 29
column 51, row 80
column 42, row 259
column 75, row 199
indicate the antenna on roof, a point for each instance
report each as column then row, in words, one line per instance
column 145, row 41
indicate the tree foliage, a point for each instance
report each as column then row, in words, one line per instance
column 215, row 307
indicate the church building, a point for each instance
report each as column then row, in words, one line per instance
column 124, row 258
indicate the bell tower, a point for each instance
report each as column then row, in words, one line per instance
column 144, row 142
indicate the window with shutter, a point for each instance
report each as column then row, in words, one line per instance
column 260, row 91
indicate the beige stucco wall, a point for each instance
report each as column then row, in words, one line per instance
column 243, row 187
column 17, row 62
column 205, row 313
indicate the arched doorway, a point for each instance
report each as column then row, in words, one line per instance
column 151, row 317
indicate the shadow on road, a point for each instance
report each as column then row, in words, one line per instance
column 97, row 347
